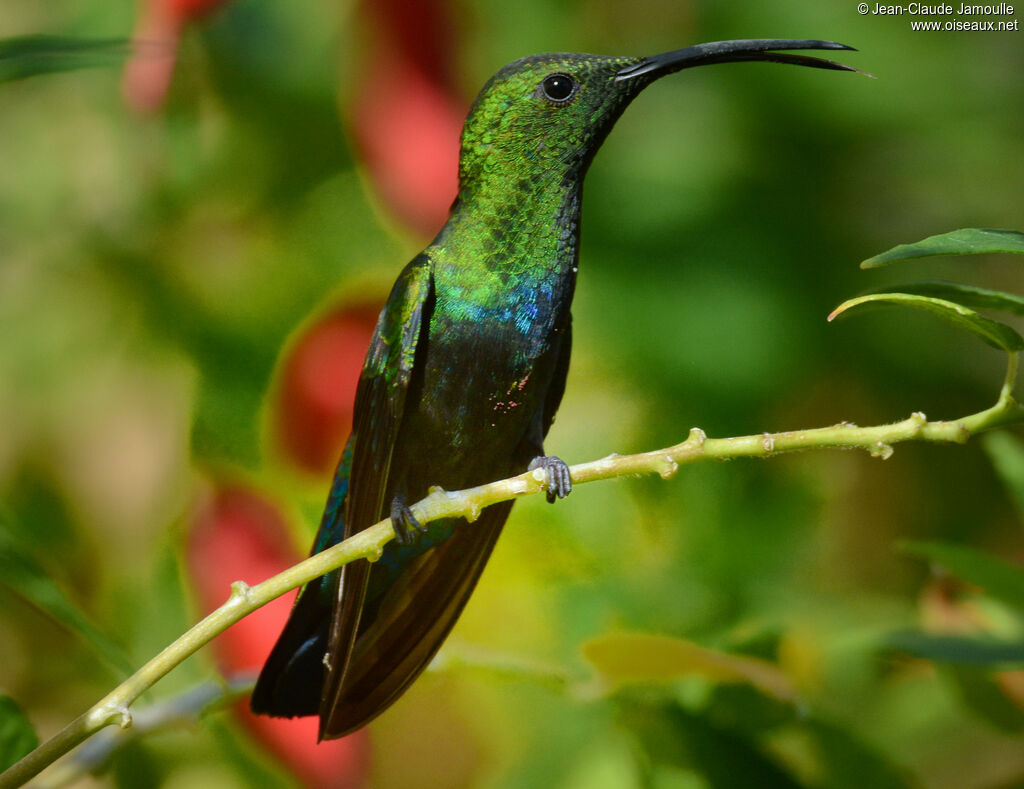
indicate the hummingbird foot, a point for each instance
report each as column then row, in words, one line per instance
column 407, row 528
column 559, row 484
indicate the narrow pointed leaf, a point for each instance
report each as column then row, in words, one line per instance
column 1007, row 455
column 983, row 695
column 996, row 334
column 959, row 650
column 1000, row 579
column 17, row 737
column 966, row 295
column 847, row 761
column 29, row 56
column 968, row 241
column 641, row 657
column 673, row 739
column 22, row 573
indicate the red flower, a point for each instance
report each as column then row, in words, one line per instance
column 239, row 536
column 147, row 75
column 312, row 414
column 407, row 112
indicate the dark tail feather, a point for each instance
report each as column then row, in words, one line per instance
column 409, row 626
column 291, row 681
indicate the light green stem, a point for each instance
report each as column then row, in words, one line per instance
column 177, row 712
column 369, row 544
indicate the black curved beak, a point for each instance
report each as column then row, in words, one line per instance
column 729, row 51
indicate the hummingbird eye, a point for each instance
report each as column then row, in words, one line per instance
column 558, row 88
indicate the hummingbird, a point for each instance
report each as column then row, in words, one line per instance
column 462, row 379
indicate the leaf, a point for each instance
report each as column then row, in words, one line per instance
column 845, row 761
column 968, row 241
column 29, row 56
column 745, row 708
column 966, row 295
column 1000, row 579
column 22, row 573
column 996, row 334
column 17, row 737
column 671, row 737
column 959, row 650
column 1007, row 455
column 982, row 695
column 641, row 657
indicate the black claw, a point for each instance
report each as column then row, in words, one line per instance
column 407, row 528
column 559, row 481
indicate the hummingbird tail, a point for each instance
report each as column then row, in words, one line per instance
column 290, row 683
column 398, row 638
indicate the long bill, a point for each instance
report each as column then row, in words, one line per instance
column 730, row 51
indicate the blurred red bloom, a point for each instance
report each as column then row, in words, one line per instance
column 407, row 117
column 312, row 413
column 187, row 10
column 147, row 75
column 407, row 111
column 237, row 535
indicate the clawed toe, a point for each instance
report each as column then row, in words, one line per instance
column 559, row 481
column 407, row 528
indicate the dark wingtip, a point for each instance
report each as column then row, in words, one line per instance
column 289, row 684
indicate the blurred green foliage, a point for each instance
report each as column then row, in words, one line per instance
column 16, row 734
column 152, row 269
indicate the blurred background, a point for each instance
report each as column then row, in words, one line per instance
column 195, row 240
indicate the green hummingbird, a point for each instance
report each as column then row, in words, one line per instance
column 462, row 379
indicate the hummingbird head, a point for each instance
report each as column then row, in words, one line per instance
column 546, row 115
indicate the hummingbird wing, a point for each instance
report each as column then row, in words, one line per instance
column 379, row 407
column 411, row 622
column 403, row 630
column 291, row 679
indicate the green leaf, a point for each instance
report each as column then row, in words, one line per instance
column 29, row 56
column 1000, row 579
column 17, row 737
column 1007, row 455
column 22, row 573
column 745, row 708
column 671, row 737
column 982, row 695
column 996, row 334
column 959, row 650
column 966, row 295
column 968, row 241
column 623, row 658
column 845, row 761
